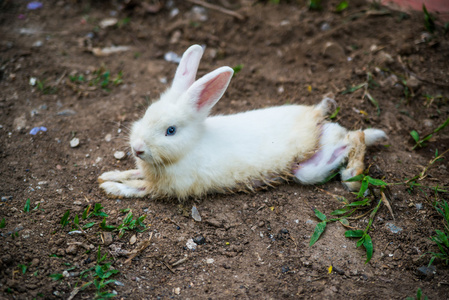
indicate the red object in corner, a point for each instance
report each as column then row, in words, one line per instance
column 438, row 7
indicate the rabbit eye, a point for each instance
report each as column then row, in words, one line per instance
column 170, row 130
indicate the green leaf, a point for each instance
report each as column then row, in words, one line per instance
column 319, row 229
column 335, row 113
column 128, row 218
column 363, row 202
column 237, row 68
column 23, row 268
column 88, row 225
column 85, row 212
column 65, row 218
column 3, row 223
column 319, row 214
column 353, row 89
column 314, row 4
column 363, row 188
column 355, row 178
column 442, row 126
column 418, row 294
column 27, row 206
column 342, row 6
column 373, row 101
column 354, row 233
column 368, row 244
column 104, row 226
column 340, row 211
column 376, row 182
column 56, row 276
column 415, row 135
column 344, row 222
column 76, row 220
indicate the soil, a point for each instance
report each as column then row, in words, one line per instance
column 250, row 245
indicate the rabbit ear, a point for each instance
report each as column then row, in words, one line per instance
column 206, row 91
column 186, row 71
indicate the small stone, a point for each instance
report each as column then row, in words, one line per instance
column 71, row 250
column 428, row 123
column 285, row 269
column 107, row 236
column 108, row 22
column 133, row 240
column 119, row 283
column 199, row 240
column 177, row 291
column 284, row 231
column 108, row 137
column 427, row 272
column 384, row 57
column 195, row 214
column 37, row 44
column 66, row 112
column 119, row 155
column 6, row 198
column 20, row 123
column 334, row 51
column 210, row 261
column 393, row 228
column 18, row 228
column 191, row 244
column 34, row 262
column 175, row 37
column 413, row 82
column 75, row 142
column 325, row 26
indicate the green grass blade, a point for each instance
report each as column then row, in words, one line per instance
column 319, row 229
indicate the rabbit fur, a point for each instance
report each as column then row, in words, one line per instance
column 180, row 151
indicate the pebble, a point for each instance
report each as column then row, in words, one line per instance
column 119, row 283
column 18, row 228
column 325, row 26
column 334, row 51
column 6, row 198
column 427, row 272
column 107, row 238
column 74, row 142
column 133, row 240
column 195, row 214
column 37, row 44
column 20, row 123
column 285, row 269
column 71, row 250
column 177, row 291
column 66, row 113
column 393, row 228
column 119, row 155
column 210, row 260
column 34, row 262
column 191, row 244
column 413, row 82
column 108, row 137
column 199, row 240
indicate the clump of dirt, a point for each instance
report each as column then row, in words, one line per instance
column 385, row 70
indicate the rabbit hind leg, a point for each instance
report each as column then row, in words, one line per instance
column 356, row 158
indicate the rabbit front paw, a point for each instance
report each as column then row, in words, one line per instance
column 120, row 176
column 126, row 189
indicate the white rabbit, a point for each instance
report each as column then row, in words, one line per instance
column 181, row 152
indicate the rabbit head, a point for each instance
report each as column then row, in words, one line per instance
column 173, row 125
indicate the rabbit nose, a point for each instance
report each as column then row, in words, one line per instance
column 138, row 153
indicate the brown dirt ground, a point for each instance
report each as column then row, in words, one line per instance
column 256, row 244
